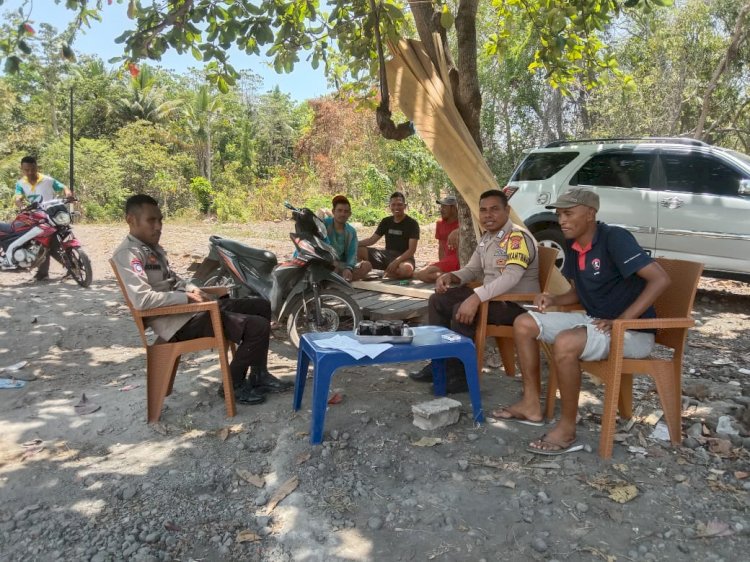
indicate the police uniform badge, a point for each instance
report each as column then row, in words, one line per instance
column 137, row 266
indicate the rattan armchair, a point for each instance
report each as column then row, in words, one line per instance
column 504, row 334
column 163, row 358
column 673, row 319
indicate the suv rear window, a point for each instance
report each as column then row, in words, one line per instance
column 615, row 170
column 542, row 165
column 694, row 173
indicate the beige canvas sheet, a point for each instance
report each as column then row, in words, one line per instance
column 423, row 94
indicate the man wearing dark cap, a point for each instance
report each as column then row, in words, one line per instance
column 446, row 232
column 611, row 277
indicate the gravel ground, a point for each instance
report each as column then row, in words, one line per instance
column 200, row 486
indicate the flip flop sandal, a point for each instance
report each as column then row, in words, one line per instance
column 571, row 447
column 86, row 406
column 11, row 383
column 514, row 419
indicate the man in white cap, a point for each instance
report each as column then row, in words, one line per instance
column 611, row 277
column 446, row 232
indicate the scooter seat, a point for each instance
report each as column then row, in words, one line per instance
column 6, row 228
column 264, row 257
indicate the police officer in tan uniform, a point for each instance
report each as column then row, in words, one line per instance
column 505, row 260
column 150, row 283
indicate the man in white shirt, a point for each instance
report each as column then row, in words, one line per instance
column 36, row 187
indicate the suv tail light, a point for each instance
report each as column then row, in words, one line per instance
column 509, row 190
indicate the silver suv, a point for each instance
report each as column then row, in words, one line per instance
column 681, row 198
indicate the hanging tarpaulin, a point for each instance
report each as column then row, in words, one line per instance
column 424, row 95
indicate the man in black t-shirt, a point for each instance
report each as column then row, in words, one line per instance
column 401, row 235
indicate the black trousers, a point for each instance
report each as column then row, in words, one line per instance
column 442, row 307
column 246, row 322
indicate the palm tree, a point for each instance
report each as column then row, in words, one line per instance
column 201, row 107
column 144, row 101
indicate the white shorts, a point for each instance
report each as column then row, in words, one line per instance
column 637, row 344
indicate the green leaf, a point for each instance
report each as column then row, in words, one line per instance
column 197, row 55
column 23, row 46
column 68, row 53
column 12, row 64
column 221, row 83
column 446, row 18
column 132, row 8
column 394, row 12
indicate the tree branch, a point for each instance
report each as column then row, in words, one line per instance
column 739, row 34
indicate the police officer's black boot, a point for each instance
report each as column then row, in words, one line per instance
column 455, row 377
column 265, row 383
column 244, row 392
column 248, row 394
column 423, row 375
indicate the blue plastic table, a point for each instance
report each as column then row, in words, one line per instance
column 427, row 344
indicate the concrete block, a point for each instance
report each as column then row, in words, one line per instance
column 436, row 413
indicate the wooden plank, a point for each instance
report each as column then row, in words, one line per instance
column 394, row 309
column 412, row 312
column 384, row 303
column 370, row 299
column 415, row 289
column 403, row 303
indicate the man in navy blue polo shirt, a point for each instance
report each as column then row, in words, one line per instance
column 611, row 277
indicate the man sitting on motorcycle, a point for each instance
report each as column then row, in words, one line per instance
column 35, row 187
column 150, row 283
column 343, row 237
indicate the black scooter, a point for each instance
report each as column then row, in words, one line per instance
column 306, row 290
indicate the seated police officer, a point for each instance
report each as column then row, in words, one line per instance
column 150, row 283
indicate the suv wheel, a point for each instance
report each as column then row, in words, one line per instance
column 553, row 238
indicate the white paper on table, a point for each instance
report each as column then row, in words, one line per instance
column 353, row 347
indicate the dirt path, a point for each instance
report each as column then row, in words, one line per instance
column 199, row 486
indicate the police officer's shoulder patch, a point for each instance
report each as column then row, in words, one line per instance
column 518, row 250
column 137, row 266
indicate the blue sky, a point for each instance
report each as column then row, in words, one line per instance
column 302, row 83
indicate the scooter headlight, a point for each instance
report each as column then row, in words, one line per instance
column 61, row 218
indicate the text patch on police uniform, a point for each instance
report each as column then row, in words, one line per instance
column 518, row 250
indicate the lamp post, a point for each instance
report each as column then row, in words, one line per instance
column 72, row 165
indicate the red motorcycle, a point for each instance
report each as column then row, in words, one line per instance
column 39, row 230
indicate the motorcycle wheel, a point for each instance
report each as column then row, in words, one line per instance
column 78, row 265
column 340, row 313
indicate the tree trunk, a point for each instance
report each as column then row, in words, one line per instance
column 209, row 151
column 678, row 97
column 53, row 113
column 738, row 36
